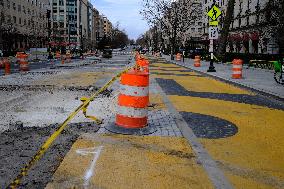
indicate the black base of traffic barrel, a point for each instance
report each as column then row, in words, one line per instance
column 149, row 129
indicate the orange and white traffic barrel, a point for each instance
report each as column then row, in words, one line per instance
column 57, row 55
column 7, row 66
column 63, row 59
column 23, row 61
column 133, row 100
column 68, row 56
column 137, row 56
column 237, row 69
column 2, row 65
column 178, row 57
column 197, row 61
column 143, row 64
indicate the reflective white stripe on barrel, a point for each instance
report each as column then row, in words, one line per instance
column 237, row 66
column 237, row 72
column 134, row 91
column 132, row 112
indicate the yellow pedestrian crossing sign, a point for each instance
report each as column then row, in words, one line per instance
column 214, row 13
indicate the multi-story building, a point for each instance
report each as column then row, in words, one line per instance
column 72, row 23
column 98, row 26
column 101, row 32
column 23, row 24
column 250, row 29
column 107, row 26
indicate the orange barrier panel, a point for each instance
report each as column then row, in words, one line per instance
column 237, row 69
column 197, row 61
column 178, row 57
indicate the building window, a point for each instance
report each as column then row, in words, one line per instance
column 19, row 8
column 8, row 19
column 15, row 19
column 8, row 4
column 54, row 9
column 20, row 21
column 14, row 6
column 2, row 17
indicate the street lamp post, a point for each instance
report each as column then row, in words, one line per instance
column 81, row 40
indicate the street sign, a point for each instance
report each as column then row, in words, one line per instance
column 213, row 32
column 214, row 23
column 214, row 13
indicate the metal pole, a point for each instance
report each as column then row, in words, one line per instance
column 49, row 34
column 68, row 28
column 211, row 48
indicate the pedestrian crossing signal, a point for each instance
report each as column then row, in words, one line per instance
column 214, row 13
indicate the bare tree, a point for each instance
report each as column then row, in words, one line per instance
column 173, row 18
column 2, row 18
column 275, row 21
column 226, row 28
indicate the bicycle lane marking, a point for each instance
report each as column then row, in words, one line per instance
column 131, row 162
column 252, row 157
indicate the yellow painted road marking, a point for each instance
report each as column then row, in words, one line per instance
column 258, row 145
column 157, row 101
column 253, row 158
column 200, row 84
column 132, row 162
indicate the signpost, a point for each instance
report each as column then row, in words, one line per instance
column 213, row 32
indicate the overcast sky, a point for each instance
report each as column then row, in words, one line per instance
column 124, row 11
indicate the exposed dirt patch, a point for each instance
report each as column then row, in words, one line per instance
column 18, row 146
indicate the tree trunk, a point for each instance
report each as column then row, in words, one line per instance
column 225, row 30
column 172, row 52
column 1, row 41
column 281, row 37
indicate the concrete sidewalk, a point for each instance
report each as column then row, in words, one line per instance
column 258, row 79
